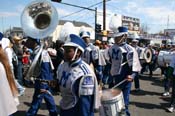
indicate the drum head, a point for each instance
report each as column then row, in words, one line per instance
column 148, row 55
column 109, row 94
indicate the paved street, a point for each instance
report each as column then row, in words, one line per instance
column 147, row 102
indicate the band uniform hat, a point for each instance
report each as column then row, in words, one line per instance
column 135, row 40
column 1, row 36
column 85, row 34
column 76, row 41
column 121, row 31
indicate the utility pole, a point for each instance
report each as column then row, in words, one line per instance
column 104, row 14
column 168, row 22
column 95, row 21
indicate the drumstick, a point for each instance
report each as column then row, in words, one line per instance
column 118, row 84
column 126, row 62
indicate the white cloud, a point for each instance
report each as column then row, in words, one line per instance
column 20, row 8
column 152, row 14
column 63, row 12
column 8, row 14
column 130, row 6
column 158, row 14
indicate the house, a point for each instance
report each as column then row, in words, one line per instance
column 78, row 26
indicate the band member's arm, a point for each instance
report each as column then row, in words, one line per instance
column 85, row 87
column 132, row 76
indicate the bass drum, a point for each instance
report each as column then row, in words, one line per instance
column 164, row 58
column 145, row 55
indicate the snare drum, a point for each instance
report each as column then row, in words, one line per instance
column 112, row 102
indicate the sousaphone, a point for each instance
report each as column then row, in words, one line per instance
column 38, row 20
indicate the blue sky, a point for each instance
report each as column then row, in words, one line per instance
column 156, row 14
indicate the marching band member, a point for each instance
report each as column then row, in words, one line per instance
column 171, row 73
column 138, row 49
column 77, row 81
column 91, row 55
column 42, row 73
column 124, row 63
column 167, row 79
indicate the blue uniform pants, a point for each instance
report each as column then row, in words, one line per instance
column 126, row 88
column 37, row 100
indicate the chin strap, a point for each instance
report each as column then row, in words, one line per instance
column 76, row 50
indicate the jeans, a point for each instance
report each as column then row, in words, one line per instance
column 19, row 87
column 18, row 72
column 173, row 93
column 136, row 81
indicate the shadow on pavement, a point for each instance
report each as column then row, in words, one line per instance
column 22, row 113
column 43, row 106
column 146, row 105
column 157, row 80
column 167, row 99
column 143, row 92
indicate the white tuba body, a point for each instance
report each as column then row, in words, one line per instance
column 39, row 19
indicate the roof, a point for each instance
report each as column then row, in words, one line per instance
column 76, row 23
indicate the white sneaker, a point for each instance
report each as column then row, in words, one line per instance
column 166, row 94
column 171, row 109
column 21, row 92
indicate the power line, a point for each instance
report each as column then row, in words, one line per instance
column 83, row 8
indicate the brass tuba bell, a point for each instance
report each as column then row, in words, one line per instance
column 39, row 19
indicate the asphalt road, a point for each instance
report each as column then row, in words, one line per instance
column 147, row 102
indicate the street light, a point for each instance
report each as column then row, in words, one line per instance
column 97, row 28
column 56, row 0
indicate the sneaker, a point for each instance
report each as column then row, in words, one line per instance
column 21, row 92
column 171, row 109
column 166, row 94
